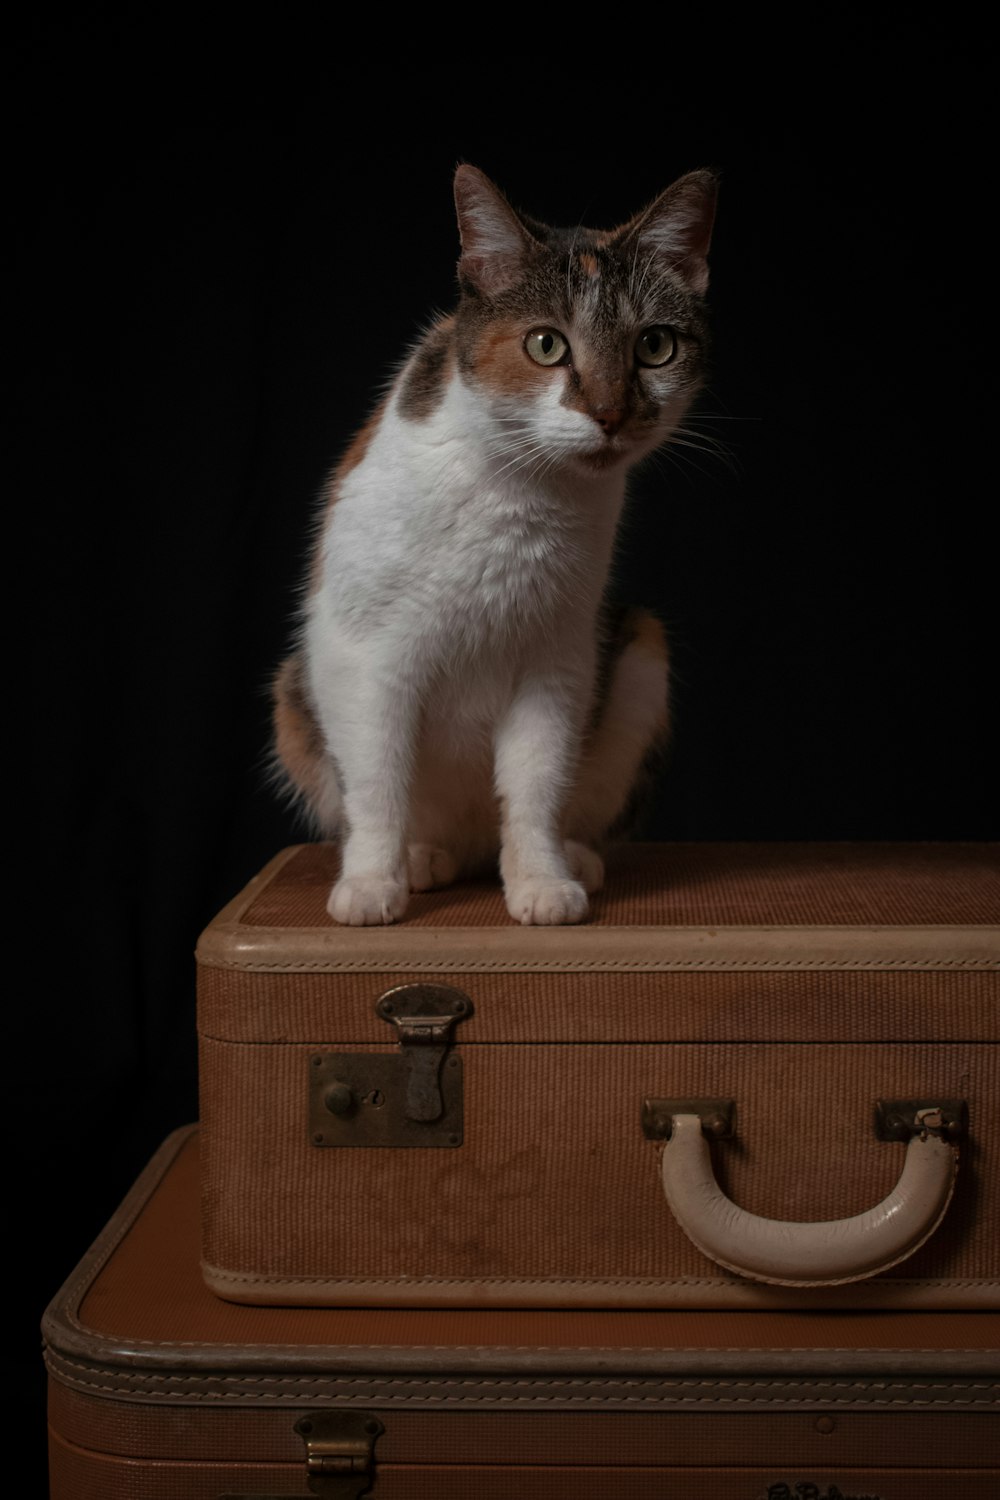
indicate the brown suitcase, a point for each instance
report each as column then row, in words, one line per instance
column 161, row 1391
column 493, row 1132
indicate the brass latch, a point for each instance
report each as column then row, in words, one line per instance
column 424, row 1015
column 340, row 1454
column 413, row 1097
column 899, row 1119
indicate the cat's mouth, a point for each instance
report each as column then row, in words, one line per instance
column 612, row 451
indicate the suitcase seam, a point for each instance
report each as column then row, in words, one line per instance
column 249, row 1279
column 650, row 966
column 723, row 1391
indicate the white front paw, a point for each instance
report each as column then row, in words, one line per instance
column 546, row 903
column 367, row 901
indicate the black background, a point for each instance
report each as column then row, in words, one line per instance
column 213, row 292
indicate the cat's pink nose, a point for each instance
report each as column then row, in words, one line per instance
column 609, row 419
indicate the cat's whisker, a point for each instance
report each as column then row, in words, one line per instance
column 679, row 442
column 680, row 461
column 705, row 443
column 708, row 438
column 521, row 459
column 647, row 267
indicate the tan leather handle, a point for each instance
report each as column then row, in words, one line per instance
column 789, row 1253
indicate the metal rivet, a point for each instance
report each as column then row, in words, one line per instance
column 317, row 1062
column 319, row 1138
column 338, row 1098
column 454, row 1139
column 825, row 1424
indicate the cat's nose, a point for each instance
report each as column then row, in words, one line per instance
column 609, row 419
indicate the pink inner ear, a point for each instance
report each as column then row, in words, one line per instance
column 678, row 227
column 491, row 273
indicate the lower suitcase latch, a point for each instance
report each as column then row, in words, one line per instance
column 410, row 1098
column 340, row 1455
column 340, row 1452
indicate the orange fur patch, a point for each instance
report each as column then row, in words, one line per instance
column 360, row 444
column 501, row 363
column 352, row 457
column 297, row 736
column 589, row 263
column 650, row 635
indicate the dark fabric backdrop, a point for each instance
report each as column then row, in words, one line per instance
column 213, row 298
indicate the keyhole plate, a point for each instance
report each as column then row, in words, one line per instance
column 377, row 1116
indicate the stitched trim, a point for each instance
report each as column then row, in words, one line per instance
column 572, row 1391
column 243, row 1278
column 595, row 966
column 133, row 1205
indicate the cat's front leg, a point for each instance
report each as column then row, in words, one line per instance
column 537, row 746
column 370, row 734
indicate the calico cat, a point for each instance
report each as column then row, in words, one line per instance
column 454, row 695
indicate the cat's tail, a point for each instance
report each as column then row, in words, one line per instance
column 300, row 759
column 628, row 734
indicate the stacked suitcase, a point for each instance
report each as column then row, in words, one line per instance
column 697, row 1200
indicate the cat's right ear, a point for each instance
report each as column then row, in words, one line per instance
column 496, row 247
column 677, row 227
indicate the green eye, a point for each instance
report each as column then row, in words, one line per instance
column 656, row 345
column 547, row 347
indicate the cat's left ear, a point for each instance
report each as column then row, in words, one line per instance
column 677, row 227
column 496, row 246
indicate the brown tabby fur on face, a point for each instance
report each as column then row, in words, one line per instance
column 597, row 286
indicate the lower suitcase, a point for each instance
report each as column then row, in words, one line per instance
column 161, row 1391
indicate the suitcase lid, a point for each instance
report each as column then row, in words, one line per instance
column 733, row 940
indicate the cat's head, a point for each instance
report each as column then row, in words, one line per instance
column 588, row 346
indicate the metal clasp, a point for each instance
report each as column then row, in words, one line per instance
column 899, row 1119
column 717, row 1117
column 411, row 1097
column 423, row 1015
column 340, row 1455
column 340, row 1452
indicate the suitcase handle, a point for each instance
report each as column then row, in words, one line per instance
column 790, row 1253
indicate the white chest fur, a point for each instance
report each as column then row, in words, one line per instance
column 444, row 540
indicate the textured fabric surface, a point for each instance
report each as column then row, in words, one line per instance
column 77, row 1474
column 150, row 1293
column 263, row 1435
column 554, row 1182
column 817, row 1005
column 555, row 1179
column 199, row 1426
column 705, row 885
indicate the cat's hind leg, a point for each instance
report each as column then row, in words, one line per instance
column 301, row 761
column 629, row 726
column 585, row 865
column 430, row 867
column 453, row 815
